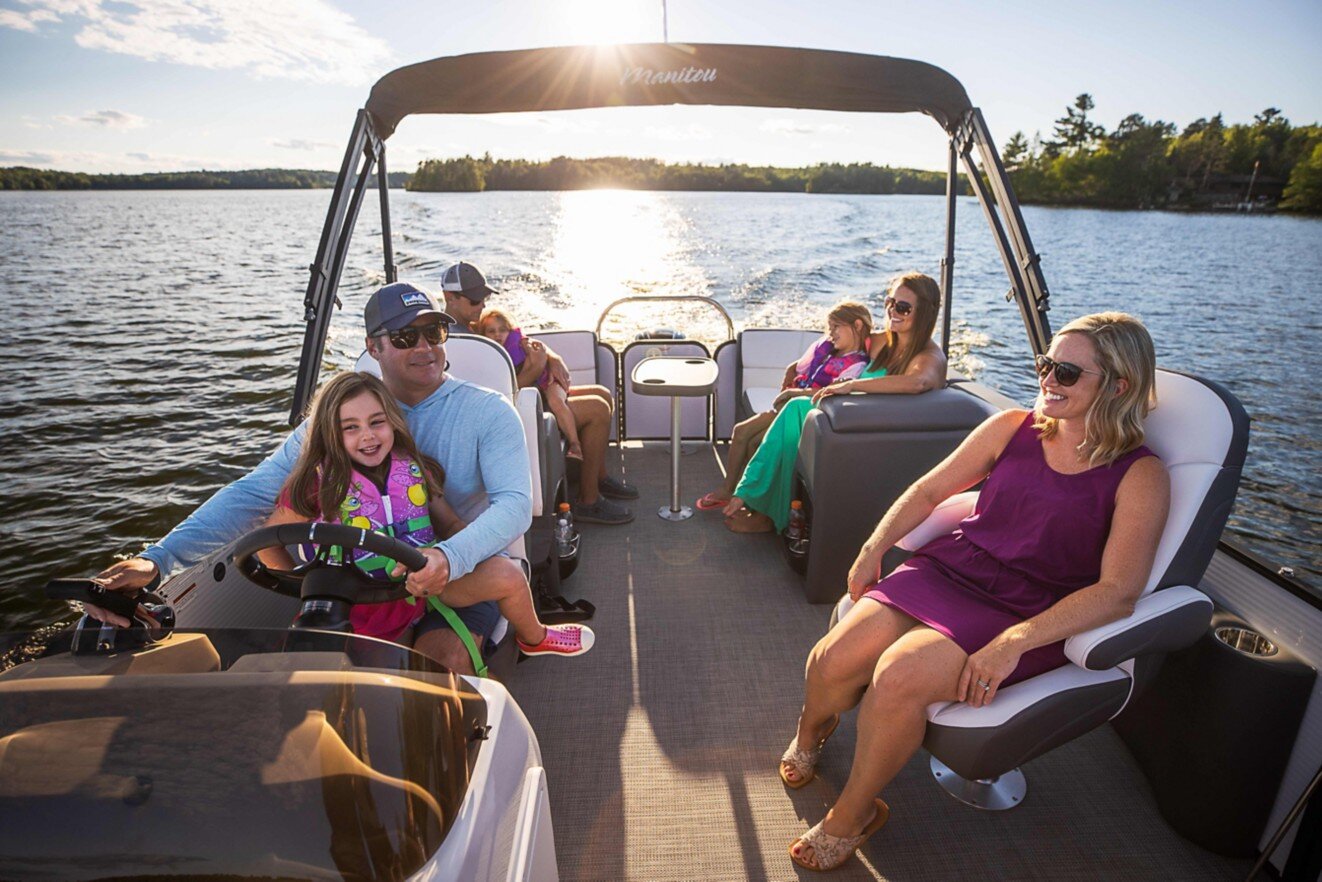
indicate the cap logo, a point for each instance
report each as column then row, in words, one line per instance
column 414, row 298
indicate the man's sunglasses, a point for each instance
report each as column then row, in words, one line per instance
column 899, row 307
column 1067, row 374
column 406, row 338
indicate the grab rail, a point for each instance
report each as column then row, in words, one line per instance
column 643, row 298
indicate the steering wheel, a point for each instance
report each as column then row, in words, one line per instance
column 345, row 581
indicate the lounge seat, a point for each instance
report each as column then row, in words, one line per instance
column 763, row 357
column 857, row 455
column 1200, row 431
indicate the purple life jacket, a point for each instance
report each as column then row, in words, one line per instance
column 821, row 366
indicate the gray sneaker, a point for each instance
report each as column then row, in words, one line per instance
column 603, row 511
column 616, row 489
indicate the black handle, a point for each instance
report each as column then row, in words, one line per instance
column 118, row 602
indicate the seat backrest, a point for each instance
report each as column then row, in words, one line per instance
column 590, row 362
column 1201, row 433
column 478, row 360
column 763, row 355
column 484, row 362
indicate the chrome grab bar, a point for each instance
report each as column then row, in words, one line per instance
column 729, row 322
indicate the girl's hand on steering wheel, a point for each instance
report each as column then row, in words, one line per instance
column 985, row 670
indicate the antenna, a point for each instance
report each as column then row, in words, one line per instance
column 665, row 23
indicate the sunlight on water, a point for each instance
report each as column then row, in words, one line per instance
column 612, row 244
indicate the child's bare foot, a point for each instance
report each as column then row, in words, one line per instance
column 574, row 450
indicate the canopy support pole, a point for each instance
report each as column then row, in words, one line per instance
column 365, row 148
column 948, row 262
column 1022, row 264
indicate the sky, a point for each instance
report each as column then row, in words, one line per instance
column 169, row 85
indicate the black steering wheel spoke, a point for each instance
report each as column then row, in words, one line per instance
column 332, row 578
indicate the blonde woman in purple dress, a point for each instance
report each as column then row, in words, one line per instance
column 1062, row 540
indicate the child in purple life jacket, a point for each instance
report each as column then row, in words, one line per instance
column 497, row 326
column 360, row 466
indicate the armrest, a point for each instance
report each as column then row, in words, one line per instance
column 943, row 519
column 1163, row 621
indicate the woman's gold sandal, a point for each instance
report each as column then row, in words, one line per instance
column 804, row 762
column 829, row 852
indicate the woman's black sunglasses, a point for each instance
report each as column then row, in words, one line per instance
column 406, row 338
column 899, row 307
column 1067, row 374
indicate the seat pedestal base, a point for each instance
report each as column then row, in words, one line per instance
column 993, row 794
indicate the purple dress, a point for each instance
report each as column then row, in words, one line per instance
column 1035, row 536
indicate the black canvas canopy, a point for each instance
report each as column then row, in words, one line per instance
column 576, row 77
column 651, row 74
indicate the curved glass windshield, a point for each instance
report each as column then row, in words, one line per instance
column 229, row 754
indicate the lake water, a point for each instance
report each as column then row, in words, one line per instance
column 151, row 339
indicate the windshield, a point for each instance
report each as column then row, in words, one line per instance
column 229, row 754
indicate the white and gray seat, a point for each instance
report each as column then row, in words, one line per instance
column 1200, row 431
column 763, row 356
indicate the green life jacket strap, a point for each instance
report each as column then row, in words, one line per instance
column 456, row 624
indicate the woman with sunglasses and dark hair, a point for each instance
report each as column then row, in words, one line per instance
column 1062, row 540
column 904, row 360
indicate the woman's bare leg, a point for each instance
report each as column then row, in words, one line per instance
column 557, row 401
column 920, row 668
column 744, row 441
column 841, row 665
column 591, row 398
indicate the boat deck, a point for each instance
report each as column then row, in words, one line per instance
column 660, row 745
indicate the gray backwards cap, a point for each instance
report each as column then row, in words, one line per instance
column 466, row 279
column 396, row 305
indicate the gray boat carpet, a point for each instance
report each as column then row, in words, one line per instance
column 661, row 744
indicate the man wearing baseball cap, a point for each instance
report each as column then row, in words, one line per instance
column 474, row 433
column 466, row 291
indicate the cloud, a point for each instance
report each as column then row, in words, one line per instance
column 26, row 157
column 110, row 163
column 301, row 144
column 292, row 39
column 791, row 127
column 112, row 119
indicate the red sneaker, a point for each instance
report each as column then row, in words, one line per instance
column 564, row 640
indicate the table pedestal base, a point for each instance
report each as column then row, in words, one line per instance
column 683, row 514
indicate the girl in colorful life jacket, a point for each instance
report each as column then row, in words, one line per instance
column 839, row 356
column 360, row 466
column 497, row 326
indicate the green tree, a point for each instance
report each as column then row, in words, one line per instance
column 1304, row 192
column 1074, row 131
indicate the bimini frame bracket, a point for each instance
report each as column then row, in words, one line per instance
column 364, row 152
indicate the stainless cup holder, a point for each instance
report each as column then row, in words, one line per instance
column 1245, row 641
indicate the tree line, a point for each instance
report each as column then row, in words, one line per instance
column 22, row 178
column 1267, row 163
column 475, row 174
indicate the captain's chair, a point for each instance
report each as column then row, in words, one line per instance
column 1200, row 431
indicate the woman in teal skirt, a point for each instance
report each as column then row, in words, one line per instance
column 905, row 360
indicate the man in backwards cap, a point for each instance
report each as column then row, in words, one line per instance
column 466, row 291
column 474, row 433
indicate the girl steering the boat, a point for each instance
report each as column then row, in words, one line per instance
column 360, row 466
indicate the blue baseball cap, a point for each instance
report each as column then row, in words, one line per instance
column 396, row 306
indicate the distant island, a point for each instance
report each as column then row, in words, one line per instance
column 1265, row 165
column 23, row 178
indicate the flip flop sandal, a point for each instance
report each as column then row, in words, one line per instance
column 829, row 852
column 804, row 762
column 710, row 501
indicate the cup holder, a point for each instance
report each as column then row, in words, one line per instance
column 655, row 381
column 695, row 361
column 1245, row 641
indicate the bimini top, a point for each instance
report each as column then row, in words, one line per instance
column 574, row 77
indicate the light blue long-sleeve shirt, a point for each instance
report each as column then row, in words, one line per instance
column 474, row 433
